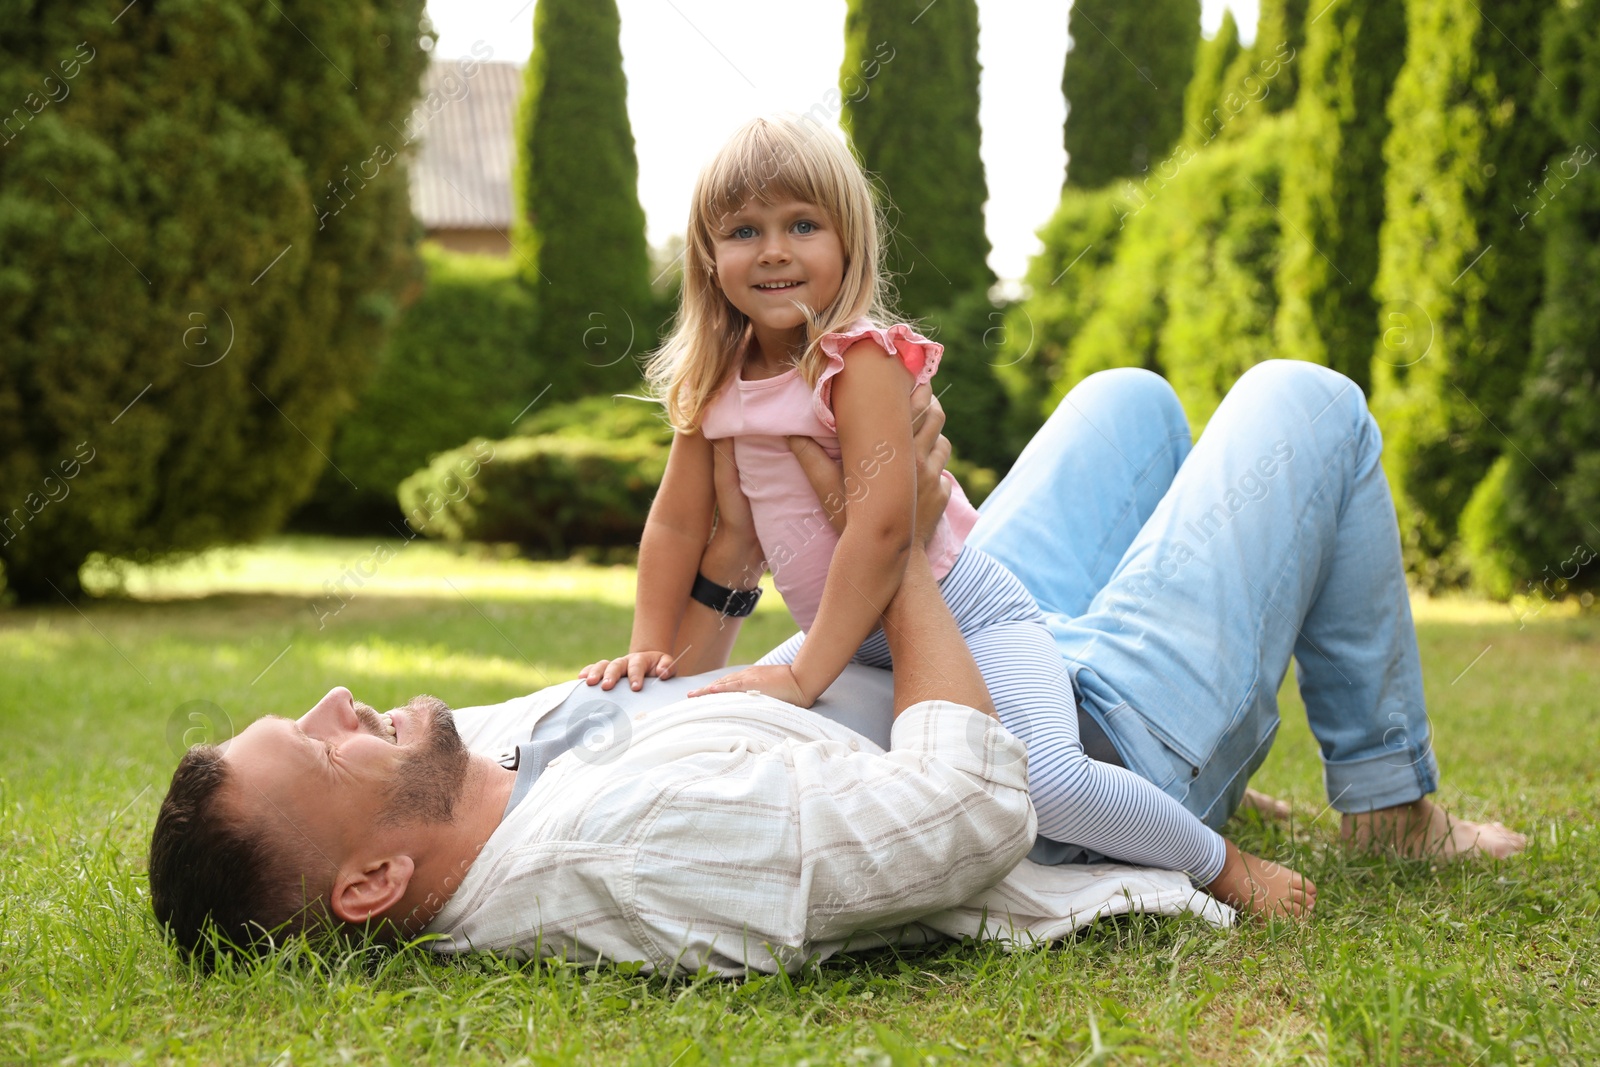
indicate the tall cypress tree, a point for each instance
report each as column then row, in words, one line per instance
column 1125, row 76
column 1280, row 38
column 1207, row 87
column 580, row 232
column 1533, row 525
column 909, row 89
column 1332, row 195
column 1455, row 259
column 204, row 234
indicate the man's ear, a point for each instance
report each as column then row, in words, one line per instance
column 361, row 893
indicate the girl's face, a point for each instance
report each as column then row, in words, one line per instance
column 769, row 258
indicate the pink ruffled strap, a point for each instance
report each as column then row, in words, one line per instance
column 920, row 356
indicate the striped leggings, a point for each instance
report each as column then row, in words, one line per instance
column 1100, row 807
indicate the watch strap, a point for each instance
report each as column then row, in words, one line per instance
column 733, row 603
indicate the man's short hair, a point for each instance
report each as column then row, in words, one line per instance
column 211, row 868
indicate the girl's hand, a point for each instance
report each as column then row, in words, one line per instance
column 636, row 665
column 1260, row 887
column 774, row 681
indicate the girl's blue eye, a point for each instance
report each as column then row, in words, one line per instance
column 745, row 232
column 805, row 226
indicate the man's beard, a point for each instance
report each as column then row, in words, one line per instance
column 434, row 773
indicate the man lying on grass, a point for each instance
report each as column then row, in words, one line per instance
column 1178, row 587
column 732, row 832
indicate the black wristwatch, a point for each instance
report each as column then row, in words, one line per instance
column 731, row 603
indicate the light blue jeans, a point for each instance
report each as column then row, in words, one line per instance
column 1179, row 581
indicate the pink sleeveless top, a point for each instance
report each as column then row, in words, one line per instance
column 795, row 535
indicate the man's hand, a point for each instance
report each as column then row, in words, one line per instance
column 933, row 452
column 733, row 557
column 774, row 681
column 636, row 665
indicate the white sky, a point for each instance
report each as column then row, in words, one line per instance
column 697, row 69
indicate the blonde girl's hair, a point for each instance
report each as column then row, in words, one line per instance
column 769, row 161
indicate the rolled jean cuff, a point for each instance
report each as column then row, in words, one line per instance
column 1398, row 776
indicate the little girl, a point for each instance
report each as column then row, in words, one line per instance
column 783, row 331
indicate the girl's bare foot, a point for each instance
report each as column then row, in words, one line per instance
column 1270, row 807
column 1260, row 887
column 1424, row 830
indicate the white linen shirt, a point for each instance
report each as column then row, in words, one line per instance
column 737, row 832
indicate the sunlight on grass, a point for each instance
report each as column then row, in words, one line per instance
column 1466, row 609
column 320, row 567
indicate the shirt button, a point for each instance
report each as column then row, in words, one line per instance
column 855, row 746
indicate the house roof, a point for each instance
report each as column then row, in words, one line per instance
column 463, row 126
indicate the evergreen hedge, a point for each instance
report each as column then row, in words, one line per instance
column 1189, row 289
column 1280, row 37
column 1222, row 238
column 458, row 366
column 1124, row 80
column 1207, row 87
column 1121, row 307
column 580, row 475
column 977, row 408
column 909, row 101
column 1180, row 283
column 1064, row 282
column 580, row 235
column 1455, row 260
column 1332, row 189
column 1236, row 87
column 1533, row 525
column 204, row 224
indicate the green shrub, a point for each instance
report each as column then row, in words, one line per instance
column 1124, row 81
column 909, row 101
column 580, row 475
column 1189, row 292
column 458, row 366
column 580, row 233
column 583, row 475
column 1280, row 38
column 1332, row 188
column 1533, row 525
column 609, row 418
column 204, row 228
column 1225, row 239
column 1063, row 284
column 1487, row 537
column 1121, row 305
column 1456, row 258
column 1208, row 86
column 977, row 409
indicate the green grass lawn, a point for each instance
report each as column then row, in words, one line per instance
column 1404, row 964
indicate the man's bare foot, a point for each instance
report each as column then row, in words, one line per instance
column 1424, row 830
column 1270, row 807
column 1260, row 887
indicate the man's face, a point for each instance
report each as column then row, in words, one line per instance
column 342, row 774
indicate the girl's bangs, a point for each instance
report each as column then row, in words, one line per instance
column 769, row 165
